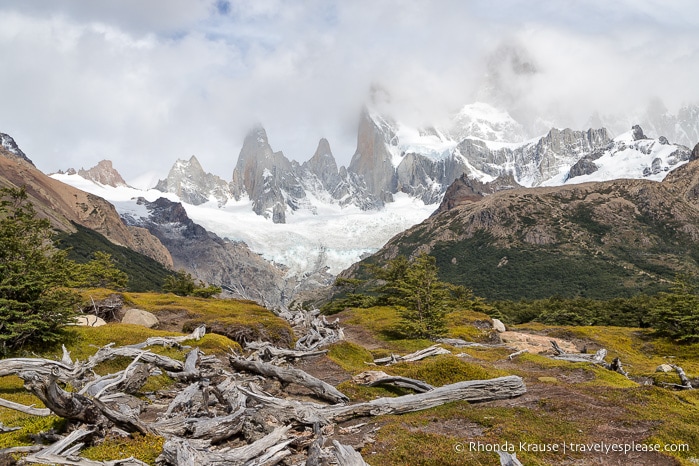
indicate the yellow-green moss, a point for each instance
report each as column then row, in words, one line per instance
column 443, row 370
column 351, row 357
column 142, row 447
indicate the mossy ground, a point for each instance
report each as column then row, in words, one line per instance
column 82, row 342
column 566, row 402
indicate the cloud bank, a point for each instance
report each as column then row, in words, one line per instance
column 145, row 83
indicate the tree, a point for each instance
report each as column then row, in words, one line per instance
column 183, row 284
column 100, row 272
column 676, row 313
column 421, row 298
column 34, row 302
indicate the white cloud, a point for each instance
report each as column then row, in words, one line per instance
column 144, row 83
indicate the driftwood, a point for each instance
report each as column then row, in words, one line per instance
column 169, row 342
column 685, row 383
column 597, row 358
column 471, row 390
column 433, row 350
column 269, row 352
column 180, row 451
column 347, row 456
column 507, row 459
column 460, row 343
column 62, row 453
column 25, row 409
column 373, row 378
column 290, row 375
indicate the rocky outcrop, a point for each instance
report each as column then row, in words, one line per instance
column 594, row 239
column 465, row 190
column 12, row 150
column 103, row 173
column 268, row 178
column 372, row 160
column 63, row 204
column 231, row 265
column 193, row 185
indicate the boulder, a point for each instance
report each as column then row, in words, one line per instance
column 140, row 317
column 499, row 326
column 89, row 320
column 664, row 368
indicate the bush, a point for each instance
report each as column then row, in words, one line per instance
column 183, row 284
column 34, row 301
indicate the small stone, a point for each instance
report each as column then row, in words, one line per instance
column 664, row 368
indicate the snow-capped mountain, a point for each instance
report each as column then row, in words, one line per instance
column 9, row 144
column 312, row 220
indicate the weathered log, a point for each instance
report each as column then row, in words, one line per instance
column 315, row 450
column 507, row 459
column 109, row 352
column 433, row 350
column 373, row 378
column 64, row 372
column 460, row 343
column 269, row 352
column 617, row 367
column 178, row 451
column 61, row 452
column 25, row 409
column 4, row 429
column 169, row 342
column 290, row 375
column 516, row 353
column 76, row 407
column 190, row 370
column 215, row 429
column 347, row 456
column 470, row 390
column 686, row 384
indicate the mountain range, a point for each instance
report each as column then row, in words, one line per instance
column 279, row 228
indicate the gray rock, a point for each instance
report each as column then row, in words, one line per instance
column 637, row 133
column 140, row 317
column 499, row 326
column 193, row 185
column 656, row 166
column 664, row 368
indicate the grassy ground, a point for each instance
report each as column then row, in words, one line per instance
column 566, row 403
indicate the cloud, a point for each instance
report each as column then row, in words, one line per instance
column 144, row 83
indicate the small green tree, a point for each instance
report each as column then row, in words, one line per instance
column 421, row 298
column 34, row 303
column 676, row 313
column 183, row 284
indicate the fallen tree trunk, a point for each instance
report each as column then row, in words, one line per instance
column 25, row 409
column 373, row 378
column 470, row 390
column 433, row 350
column 61, row 452
column 178, row 451
column 290, row 375
column 347, row 456
column 77, row 407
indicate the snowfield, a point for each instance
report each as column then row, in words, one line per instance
column 333, row 237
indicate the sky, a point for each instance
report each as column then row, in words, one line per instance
column 144, row 83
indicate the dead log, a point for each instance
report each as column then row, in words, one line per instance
column 25, row 409
column 178, row 451
column 470, row 390
column 190, row 370
column 347, row 456
column 77, row 407
column 109, row 352
column 290, row 375
column 169, row 342
column 507, row 459
column 433, row 350
column 269, row 352
column 373, row 378
column 61, row 452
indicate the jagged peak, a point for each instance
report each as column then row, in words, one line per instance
column 9, row 144
column 323, row 149
column 103, row 173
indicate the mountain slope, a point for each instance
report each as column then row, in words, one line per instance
column 599, row 240
column 63, row 204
